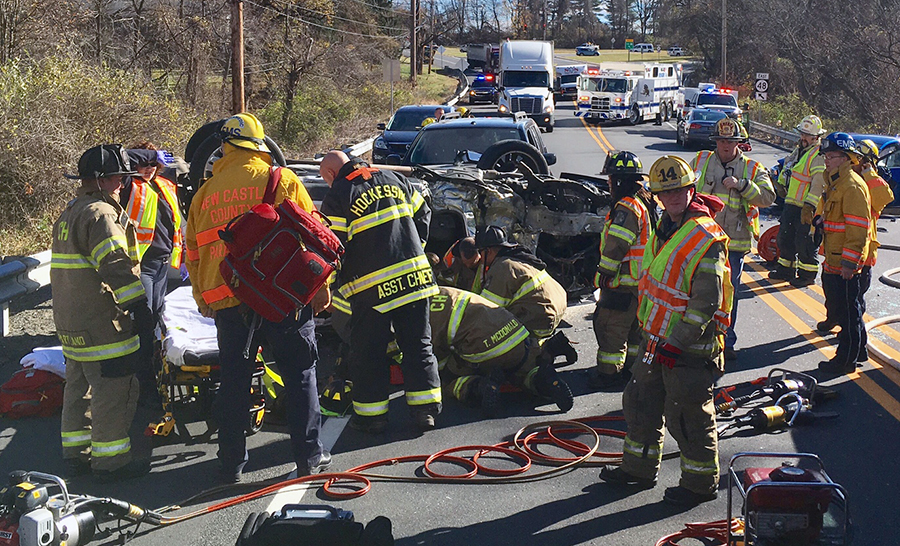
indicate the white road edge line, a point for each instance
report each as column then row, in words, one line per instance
column 329, row 434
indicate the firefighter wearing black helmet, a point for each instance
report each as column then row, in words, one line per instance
column 628, row 227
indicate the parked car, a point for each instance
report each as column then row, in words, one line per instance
column 401, row 129
column 888, row 160
column 587, row 49
column 696, row 128
column 643, row 48
column 483, row 89
column 676, row 51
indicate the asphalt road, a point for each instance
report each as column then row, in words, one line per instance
column 774, row 327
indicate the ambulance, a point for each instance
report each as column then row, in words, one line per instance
column 628, row 95
column 567, row 80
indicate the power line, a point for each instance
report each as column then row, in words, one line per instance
column 373, row 6
column 350, row 20
column 326, row 27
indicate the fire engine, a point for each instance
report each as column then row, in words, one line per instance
column 632, row 95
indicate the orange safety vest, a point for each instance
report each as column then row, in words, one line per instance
column 629, row 275
column 665, row 285
column 142, row 208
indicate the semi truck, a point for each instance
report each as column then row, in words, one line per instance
column 629, row 95
column 483, row 56
column 526, row 80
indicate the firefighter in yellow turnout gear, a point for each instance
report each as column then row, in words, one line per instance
column 478, row 345
column 101, row 315
column 684, row 309
column 628, row 227
column 744, row 187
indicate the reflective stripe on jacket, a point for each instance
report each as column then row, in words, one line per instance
column 805, row 179
column 383, row 223
column 238, row 183
column 686, row 285
column 880, row 195
column 622, row 242
column 474, row 329
column 529, row 293
column 848, row 220
column 142, row 208
column 740, row 217
column 94, row 273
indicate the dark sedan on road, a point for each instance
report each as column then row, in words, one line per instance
column 697, row 127
column 402, row 128
column 483, row 89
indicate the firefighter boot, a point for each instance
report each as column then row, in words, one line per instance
column 559, row 345
column 681, row 496
column 548, row 384
column 616, row 476
column 487, row 393
column 423, row 417
column 782, row 273
column 803, row 280
column 371, row 425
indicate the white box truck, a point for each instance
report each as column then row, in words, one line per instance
column 567, row 79
column 526, row 80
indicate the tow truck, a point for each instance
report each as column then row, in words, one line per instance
column 632, row 95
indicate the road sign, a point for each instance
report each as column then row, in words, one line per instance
column 762, row 75
column 629, row 44
column 390, row 70
column 762, row 86
column 441, row 50
column 762, row 95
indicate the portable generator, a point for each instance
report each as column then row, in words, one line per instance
column 794, row 504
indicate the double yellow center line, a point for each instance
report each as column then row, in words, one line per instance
column 753, row 279
column 599, row 136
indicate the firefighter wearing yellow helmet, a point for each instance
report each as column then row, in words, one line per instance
column 239, row 180
column 684, row 305
column 744, row 187
column 801, row 182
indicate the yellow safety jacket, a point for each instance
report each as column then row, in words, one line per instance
column 881, row 196
column 622, row 242
column 804, row 179
column 740, row 217
column 95, row 273
column 685, row 293
column 848, row 220
column 143, row 207
column 238, row 183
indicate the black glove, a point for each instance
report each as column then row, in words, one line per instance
column 142, row 322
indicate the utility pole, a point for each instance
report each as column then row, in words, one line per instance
column 724, row 41
column 413, row 45
column 544, row 21
column 237, row 56
column 431, row 40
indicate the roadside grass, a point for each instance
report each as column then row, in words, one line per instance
column 431, row 88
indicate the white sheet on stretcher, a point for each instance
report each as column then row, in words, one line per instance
column 187, row 328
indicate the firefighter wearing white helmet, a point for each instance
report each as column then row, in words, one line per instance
column 849, row 226
column 238, row 182
column 744, row 187
column 684, row 309
column 801, row 182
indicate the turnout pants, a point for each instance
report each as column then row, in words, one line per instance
column 518, row 366
column 845, row 302
column 293, row 344
column 97, row 412
column 796, row 247
column 370, row 333
column 617, row 330
column 682, row 400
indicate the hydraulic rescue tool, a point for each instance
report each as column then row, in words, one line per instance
column 794, row 504
column 31, row 516
column 790, row 409
column 775, row 387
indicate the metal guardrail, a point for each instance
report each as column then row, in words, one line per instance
column 783, row 137
column 19, row 277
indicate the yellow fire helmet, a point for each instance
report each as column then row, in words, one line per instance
column 245, row 131
column 811, row 125
column 729, row 129
column 869, row 150
column 670, row 173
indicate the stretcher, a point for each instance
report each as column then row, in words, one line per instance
column 188, row 369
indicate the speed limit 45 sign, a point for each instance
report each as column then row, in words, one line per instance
column 762, row 86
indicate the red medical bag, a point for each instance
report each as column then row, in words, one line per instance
column 278, row 257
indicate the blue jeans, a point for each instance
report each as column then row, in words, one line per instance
column 736, row 262
column 293, row 343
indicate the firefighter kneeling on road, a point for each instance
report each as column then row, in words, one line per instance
column 684, row 306
column 628, row 227
column 479, row 346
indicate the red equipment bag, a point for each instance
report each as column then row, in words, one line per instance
column 31, row 393
column 278, row 257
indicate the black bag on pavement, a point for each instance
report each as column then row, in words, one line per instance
column 313, row 525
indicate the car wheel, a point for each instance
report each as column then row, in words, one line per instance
column 549, row 128
column 634, row 116
column 504, row 156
